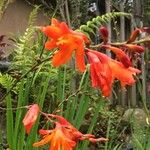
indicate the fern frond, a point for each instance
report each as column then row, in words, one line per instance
column 33, row 16
column 87, row 29
column 3, row 6
column 6, row 80
column 94, row 24
column 24, row 53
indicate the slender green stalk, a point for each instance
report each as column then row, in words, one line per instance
column 18, row 115
column 40, row 100
column 10, row 123
column 61, row 84
column 108, row 132
column 75, row 104
column 1, row 139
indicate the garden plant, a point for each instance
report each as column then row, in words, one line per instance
column 59, row 85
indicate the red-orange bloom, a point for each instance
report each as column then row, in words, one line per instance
column 30, row 117
column 68, row 41
column 123, row 74
column 57, row 139
column 134, row 48
column 101, row 75
column 65, row 136
column 120, row 54
column 104, row 70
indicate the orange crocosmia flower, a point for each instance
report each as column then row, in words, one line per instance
column 104, row 70
column 120, row 54
column 30, row 117
column 57, row 139
column 100, row 72
column 67, row 41
column 134, row 48
column 69, row 130
column 64, row 136
column 119, row 71
column 123, row 74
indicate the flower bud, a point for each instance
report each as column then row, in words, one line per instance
column 134, row 48
column 104, row 34
column 133, row 35
column 31, row 117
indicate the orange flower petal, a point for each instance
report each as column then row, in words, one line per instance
column 55, row 22
column 79, row 54
column 50, row 45
column 52, row 31
column 81, row 36
column 44, row 132
column 120, row 54
column 44, row 141
column 64, row 28
column 125, row 75
column 62, row 56
column 60, row 119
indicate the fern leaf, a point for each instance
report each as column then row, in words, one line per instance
column 86, row 28
column 92, row 25
column 96, row 21
column 6, row 80
column 99, row 20
column 33, row 16
column 87, row 34
column 24, row 55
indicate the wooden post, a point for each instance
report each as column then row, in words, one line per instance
column 122, row 39
column 132, row 100
column 108, row 10
column 137, row 12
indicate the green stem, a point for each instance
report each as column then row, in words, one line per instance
column 146, row 39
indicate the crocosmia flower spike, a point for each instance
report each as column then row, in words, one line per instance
column 104, row 70
column 31, row 117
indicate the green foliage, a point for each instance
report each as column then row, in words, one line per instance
column 100, row 20
column 146, row 12
column 6, row 80
column 140, row 137
column 78, row 12
column 2, row 2
column 50, row 88
column 25, row 51
column 3, row 6
column 33, row 16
